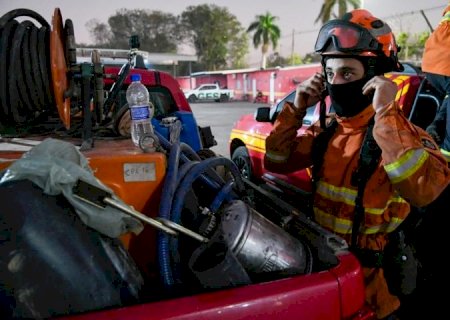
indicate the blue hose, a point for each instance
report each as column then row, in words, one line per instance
column 185, row 185
column 168, row 191
column 177, row 184
column 184, row 169
column 191, row 155
column 224, row 194
column 188, row 174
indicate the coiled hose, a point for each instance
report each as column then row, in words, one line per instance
column 185, row 167
column 173, row 176
column 186, row 184
column 25, row 74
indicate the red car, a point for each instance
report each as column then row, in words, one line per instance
column 247, row 138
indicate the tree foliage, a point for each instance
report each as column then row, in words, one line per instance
column 238, row 51
column 411, row 45
column 327, row 10
column 157, row 31
column 265, row 31
column 214, row 33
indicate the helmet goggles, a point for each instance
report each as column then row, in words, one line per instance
column 346, row 37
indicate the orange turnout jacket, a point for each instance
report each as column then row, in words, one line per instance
column 412, row 170
column 436, row 56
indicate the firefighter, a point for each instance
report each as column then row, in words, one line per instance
column 436, row 65
column 356, row 51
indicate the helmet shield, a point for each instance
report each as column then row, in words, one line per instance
column 346, row 37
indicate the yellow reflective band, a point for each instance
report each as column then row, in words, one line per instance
column 238, row 133
column 348, row 196
column 407, row 165
column 386, row 227
column 446, row 154
column 446, row 17
column 337, row 194
column 337, row 225
column 344, row 226
column 378, row 211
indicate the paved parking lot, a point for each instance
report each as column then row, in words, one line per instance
column 221, row 118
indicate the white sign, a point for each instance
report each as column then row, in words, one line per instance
column 133, row 172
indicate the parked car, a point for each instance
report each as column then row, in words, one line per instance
column 209, row 92
column 247, row 138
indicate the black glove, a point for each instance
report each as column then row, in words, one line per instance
column 433, row 132
column 436, row 129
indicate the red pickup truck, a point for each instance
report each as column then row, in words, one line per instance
column 212, row 246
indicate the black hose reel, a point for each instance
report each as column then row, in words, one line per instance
column 42, row 87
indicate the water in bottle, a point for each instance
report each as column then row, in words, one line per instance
column 141, row 110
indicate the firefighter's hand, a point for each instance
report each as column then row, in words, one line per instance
column 383, row 89
column 433, row 132
column 309, row 92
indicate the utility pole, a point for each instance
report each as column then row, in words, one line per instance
column 292, row 48
column 426, row 19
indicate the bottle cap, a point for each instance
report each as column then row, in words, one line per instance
column 135, row 77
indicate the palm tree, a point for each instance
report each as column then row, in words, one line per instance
column 326, row 12
column 265, row 32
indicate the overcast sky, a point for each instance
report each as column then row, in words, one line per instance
column 296, row 18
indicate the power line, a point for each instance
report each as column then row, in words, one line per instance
column 412, row 12
column 397, row 15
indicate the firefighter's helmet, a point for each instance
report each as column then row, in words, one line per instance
column 359, row 33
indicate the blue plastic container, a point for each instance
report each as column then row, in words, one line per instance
column 189, row 129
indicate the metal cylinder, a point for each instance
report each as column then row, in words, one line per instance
column 260, row 245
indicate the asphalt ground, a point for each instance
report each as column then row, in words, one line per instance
column 221, row 117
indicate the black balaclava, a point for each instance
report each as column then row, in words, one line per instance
column 347, row 98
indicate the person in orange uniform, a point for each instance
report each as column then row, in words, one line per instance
column 436, row 65
column 356, row 51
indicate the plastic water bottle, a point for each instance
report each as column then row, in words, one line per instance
column 141, row 110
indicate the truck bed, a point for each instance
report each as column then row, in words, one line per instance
column 332, row 289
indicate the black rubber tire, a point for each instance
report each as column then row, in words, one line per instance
column 241, row 158
column 192, row 98
column 224, row 98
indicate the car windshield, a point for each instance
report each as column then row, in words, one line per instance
column 309, row 118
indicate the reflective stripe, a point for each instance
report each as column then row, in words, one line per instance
column 276, row 157
column 446, row 17
column 344, row 226
column 337, row 194
column 446, row 154
column 338, row 225
column 348, row 196
column 407, row 165
column 380, row 211
column 385, row 228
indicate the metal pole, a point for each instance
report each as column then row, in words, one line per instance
column 292, row 48
column 426, row 19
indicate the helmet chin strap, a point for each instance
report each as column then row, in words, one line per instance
column 371, row 67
